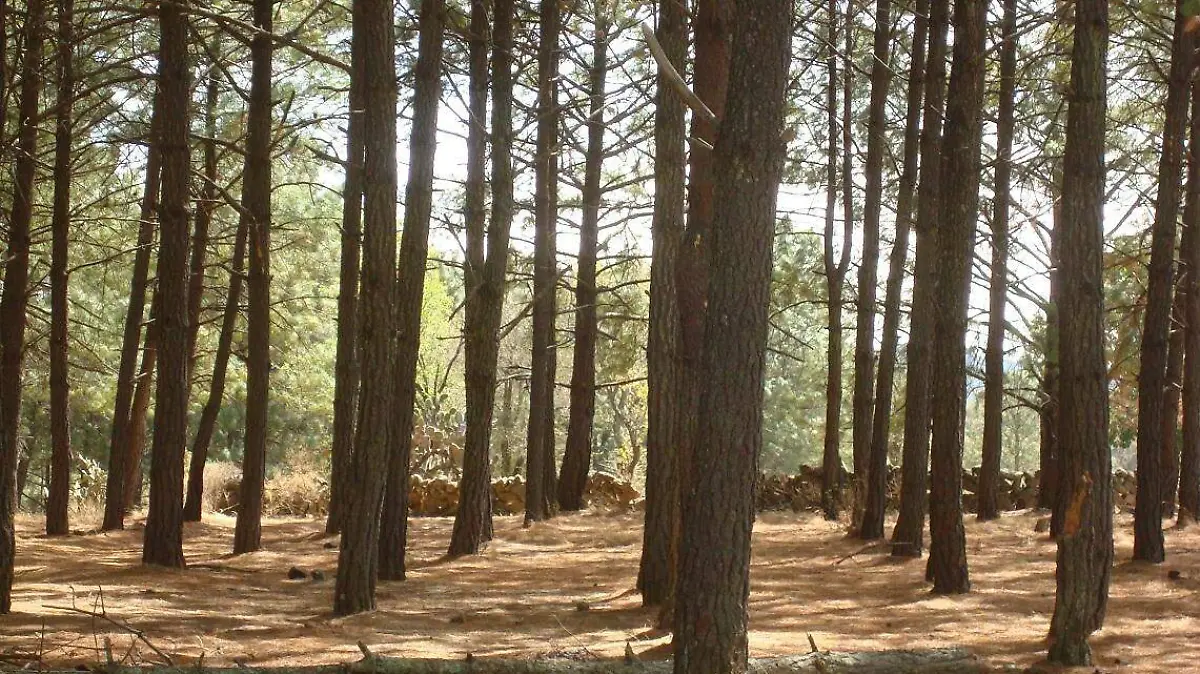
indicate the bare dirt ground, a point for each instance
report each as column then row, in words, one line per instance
column 565, row 587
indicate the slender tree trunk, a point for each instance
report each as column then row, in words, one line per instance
column 57, row 523
column 136, row 444
column 358, row 554
column 205, row 206
column 956, row 240
column 163, row 544
column 256, row 200
column 881, row 425
column 540, row 456
column 1147, row 524
column 216, row 394
column 874, row 477
column 1189, row 455
column 908, row 538
column 410, row 285
column 1048, row 450
column 577, row 458
column 857, row 458
column 1085, row 544
column 13, row 300
column 993, row 397
column 662, row 403
column 714, row 572
column 1173, row 393
column 835, row 278
column 346, row 366
column 114, row 502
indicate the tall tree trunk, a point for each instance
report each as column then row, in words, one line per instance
column 881, row 425
column 256, row 200
column 1189, row 455
column 993, row 396
column 410, row 285
column 908, row 538
column 346, row 365
column 577, row 457
column 13, row 300
column 1085, row 544
column 538, row 490
column 714, row 572
column 57, row 521
column 163, row 544
column 114, row 500
column 956, row 240
column 1048, row 449
column 193, row 504
column 1147, row 523
column 358, row 554
column 136, row 445
column 875, row 463
column 205, row 205
column 662, row 399
column 1173, row 393
column 835, row 279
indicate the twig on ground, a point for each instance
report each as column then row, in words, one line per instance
column 140, row 635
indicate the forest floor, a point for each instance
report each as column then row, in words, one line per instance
column 566, row 588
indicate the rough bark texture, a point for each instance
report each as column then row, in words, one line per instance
column 881, row 425
column 714, row 571
column 256, row 200
column 1085, row 544
column 577, row 456
column 58, row 503
column 956, row 242
column 14, row 298
column 1147, row 524
column 484, row 272
column 908, row 538
column 662, row 482
column 540, row 454
column 1189, row 454
column 346, row 366
column 136, row 442
column 358, row 554
column 1173, row 392
column 993, row 397
column 163, row 544
column 193, row 504
column 874, row 464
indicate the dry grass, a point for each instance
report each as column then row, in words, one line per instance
column 524, row 596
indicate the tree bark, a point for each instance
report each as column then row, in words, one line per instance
column 163, row 544
column 1189, row 455
column 908, row 538
column 662, row 369
column 714, row 572
column 577, row 456
column 358, row 554
column 1173, row 392
column 256, row 200
column 1085, row 543
column 136, row 445
column 14, row 298
column 881, row 425
column 58, row 503
column 956, row 240
column 1147, row 523
column 1048, row 449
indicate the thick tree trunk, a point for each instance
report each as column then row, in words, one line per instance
column 358, row 554
column 874, row 476
column 662, row 404
column 956, row 241
column 1147, row 524
column 540, row 454
column 1189, row 455
column 256, row 200
column 410, row 285
column 114, row 500
column 714, row 571
column 193, row 504
column 1085, row 544
column 908, row 538
column 993, row 397
column 14, row 298
column 577, row 456
column 163, row 544
column 58, row 503
column 346, row 366
column 881, row 425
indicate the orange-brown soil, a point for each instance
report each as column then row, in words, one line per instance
column 566, row 586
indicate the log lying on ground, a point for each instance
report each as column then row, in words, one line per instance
column 935, row 661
